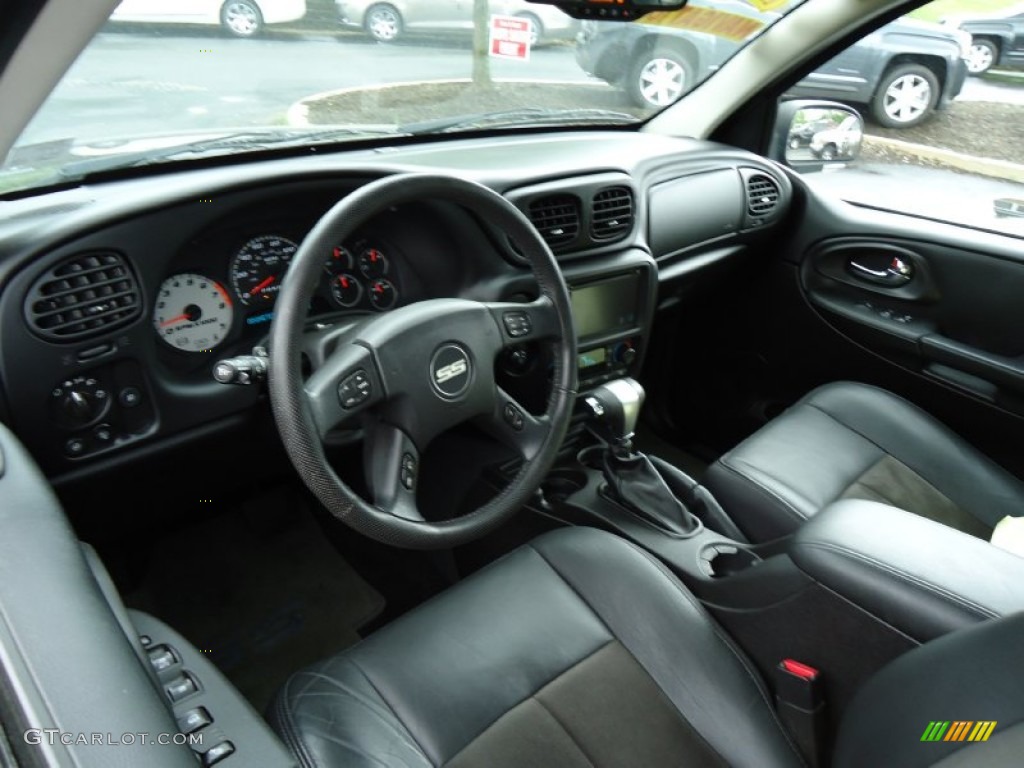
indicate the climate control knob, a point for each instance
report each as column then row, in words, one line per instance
column 624, row 354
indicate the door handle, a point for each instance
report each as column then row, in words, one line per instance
column 896, row 273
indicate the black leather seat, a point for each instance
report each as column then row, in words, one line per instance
column 581, row 650
column 853, row 441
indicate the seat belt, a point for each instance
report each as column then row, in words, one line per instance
column 800, row 702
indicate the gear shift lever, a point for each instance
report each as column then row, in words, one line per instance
column 632, row 480
column 615, row 407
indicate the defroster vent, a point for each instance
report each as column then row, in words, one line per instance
column 762, row 194
column 83, row 296
column 557, row 218
column 612, row 215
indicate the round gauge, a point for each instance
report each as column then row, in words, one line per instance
column 341, row 261
column 373, row 263
column 346, row 290
column 383, row 294
column 193, row 313
column 257, row 269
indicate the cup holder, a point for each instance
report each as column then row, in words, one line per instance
column 560, row 484
column 722, row 559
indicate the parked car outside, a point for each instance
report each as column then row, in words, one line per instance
column 902, row 73
column 839, row 143
column 995, row 39
column 241, row 18
column 387, row 21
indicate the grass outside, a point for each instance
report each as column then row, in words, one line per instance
column 941, row 8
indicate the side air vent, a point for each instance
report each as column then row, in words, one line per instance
column 557, row 218
column 762, row 194
column 612, row 216
column 83, row 296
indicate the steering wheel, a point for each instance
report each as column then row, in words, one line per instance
column 417, row 371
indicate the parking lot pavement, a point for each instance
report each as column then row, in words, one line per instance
column 253, row 82
column 1008, row 91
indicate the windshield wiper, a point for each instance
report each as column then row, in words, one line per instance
column 243, row 140
column 519, row 118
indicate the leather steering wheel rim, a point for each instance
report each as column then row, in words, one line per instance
column 297, row 411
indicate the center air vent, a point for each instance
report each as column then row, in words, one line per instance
column 83, row 296
column 557, row 218
column 762, row 194
column 612, row 214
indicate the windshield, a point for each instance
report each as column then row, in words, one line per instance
column 169, row 80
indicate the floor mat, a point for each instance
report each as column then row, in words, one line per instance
column 259, row 589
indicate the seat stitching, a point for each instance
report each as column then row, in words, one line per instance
column 291, row 734
column 533, row 695
column 393, row 710
column 786, row 505
column 683, row 592
column 958, row 600
column 909, row 465
column 561, row 725
column 754, row 677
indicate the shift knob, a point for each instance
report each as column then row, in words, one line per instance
column 615, row 407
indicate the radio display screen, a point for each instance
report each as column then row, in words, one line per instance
column 593, row 357
column 606, row 306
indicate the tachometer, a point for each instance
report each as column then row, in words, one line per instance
column 259, row 267
column 193, row 313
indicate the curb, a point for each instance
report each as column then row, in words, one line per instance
column 999, row 169
column 297, row 114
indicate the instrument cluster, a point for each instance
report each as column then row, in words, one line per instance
column 196, row 312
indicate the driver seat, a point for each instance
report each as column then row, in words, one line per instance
column 580, row 649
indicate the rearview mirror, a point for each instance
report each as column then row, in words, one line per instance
column 612, row 10
column 810, row 134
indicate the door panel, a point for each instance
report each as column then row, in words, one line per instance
column 955, row 314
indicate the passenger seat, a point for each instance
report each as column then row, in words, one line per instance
column 853, row 441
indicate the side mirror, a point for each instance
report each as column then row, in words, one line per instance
column 809, row 135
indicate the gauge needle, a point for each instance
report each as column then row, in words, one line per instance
column 173, row 320
column 263, row 286
column 344, row 281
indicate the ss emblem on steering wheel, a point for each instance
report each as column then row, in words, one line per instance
column 450, row 371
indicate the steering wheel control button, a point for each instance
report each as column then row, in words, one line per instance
column 194, row 719
column 181, row 687
column 451, row 371
column 407, row 474
column 517, row 324
column 513, row 417
column 355, row 389
column 161, row 658
column 218, row 752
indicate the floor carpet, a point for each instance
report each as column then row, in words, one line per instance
column 260, row 589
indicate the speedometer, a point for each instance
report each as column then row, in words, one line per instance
column 259, row 267
column 193, row 313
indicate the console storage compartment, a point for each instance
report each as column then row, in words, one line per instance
column 921, row 577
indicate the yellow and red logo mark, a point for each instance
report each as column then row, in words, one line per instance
column 958, row 730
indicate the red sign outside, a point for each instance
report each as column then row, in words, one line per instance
column 510, row 37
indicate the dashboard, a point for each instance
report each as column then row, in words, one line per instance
column 118, row 299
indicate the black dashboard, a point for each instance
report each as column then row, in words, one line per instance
column 117, row 299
